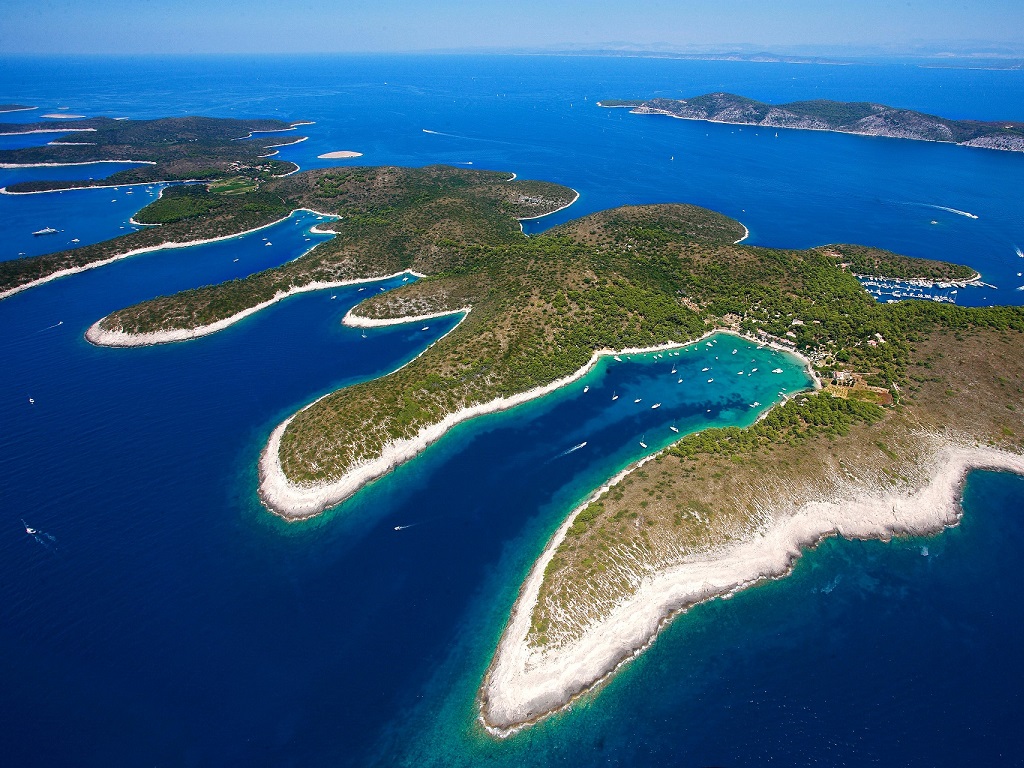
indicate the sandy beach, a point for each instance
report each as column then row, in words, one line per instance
column 525, row 683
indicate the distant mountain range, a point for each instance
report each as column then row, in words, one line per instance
column 845, row 117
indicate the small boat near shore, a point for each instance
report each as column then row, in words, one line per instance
column 44, row 231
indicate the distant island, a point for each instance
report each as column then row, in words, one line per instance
column 863, row 118
column 907, row 398
column 172, row 149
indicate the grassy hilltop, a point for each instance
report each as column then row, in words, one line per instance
column 541, row 305
column 634, row 276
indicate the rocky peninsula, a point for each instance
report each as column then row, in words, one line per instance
column 864, row 118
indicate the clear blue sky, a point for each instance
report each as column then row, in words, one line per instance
column 251, row 26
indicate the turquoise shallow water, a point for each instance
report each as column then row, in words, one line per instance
column 172, row 620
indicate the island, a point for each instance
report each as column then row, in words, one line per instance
column 863, row 118
column 907, row 397
column 169, row 149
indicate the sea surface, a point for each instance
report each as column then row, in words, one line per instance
column 162, row 616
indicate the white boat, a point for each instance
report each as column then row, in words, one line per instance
column 614, row 396
column 674, row 429
column 642, row 443
column 710, row 380
column 734, row 351
column 777, row 370
column 754, row 404
column 76, row 240
column 585, row 390
column 673, row 369
column 739, row 373
column 268, row 243
column 30, row 531
column 679, row 382
column 704, row 370
column 656, row 405
column 617, row 359
column 333, row 297
column 753, row 370
column 31, row 401
column 637, row 400
column 425, row 328
column 45, row 231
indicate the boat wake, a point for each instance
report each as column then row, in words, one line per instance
column 46, row 540
column 51, row 327
column 572, row 450
column 957, row 211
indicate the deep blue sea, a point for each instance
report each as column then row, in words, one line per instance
column 163, row 617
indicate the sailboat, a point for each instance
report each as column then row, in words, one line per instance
column 614, row 396
column 656, row 405
column 674, row 428
column 586, row 389
column 642, row 443
column 28, row 530
column 637, row 400
column 673, row 369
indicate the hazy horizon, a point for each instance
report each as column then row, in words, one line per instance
column 788, row 27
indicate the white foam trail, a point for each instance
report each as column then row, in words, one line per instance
column 957, row 211
column 1019, row 251
column 51, row 327
column 571, row 450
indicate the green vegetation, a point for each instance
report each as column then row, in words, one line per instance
column 192, row 201
column 635, row 276
column 542, row 305
column 862, row 260
column 181, row 148
column 801, row 418
column 846, row 117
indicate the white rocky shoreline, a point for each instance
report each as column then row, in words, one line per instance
column 294, row 501
column 524, row 684
column 104, row 337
